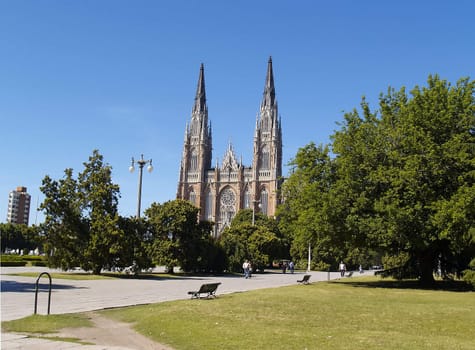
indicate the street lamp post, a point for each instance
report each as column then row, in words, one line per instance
column 254, row 210
column 309, row 257
column 141, row 163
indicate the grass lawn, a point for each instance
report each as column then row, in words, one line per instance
column 39, row 326
column 44, row 324
column 358, row 313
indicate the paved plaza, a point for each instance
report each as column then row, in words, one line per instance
column 71, row 296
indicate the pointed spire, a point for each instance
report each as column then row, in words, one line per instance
column 187, row 131
column 256, row 130
column 200, row 99
column 269, row 90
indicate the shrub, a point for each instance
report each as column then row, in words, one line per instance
column 22, row 260
column 12, row 263
column 469, row 275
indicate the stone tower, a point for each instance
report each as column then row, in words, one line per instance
column 221, row 191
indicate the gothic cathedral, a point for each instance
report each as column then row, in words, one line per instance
column 221, row 191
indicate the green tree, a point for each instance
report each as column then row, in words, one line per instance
column 308, row 214
column 99, row 198
column 429, row 168
column 179, row 239
column 260, row 243
column 400, row 184
column 20, row 236
column 359, row 148
column 81, row 225
column 64, row 229
column 135, row 244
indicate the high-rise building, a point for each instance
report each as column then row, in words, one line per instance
column 18, row 206
column 221, row 191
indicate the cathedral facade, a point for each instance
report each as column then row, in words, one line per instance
column 220, row 191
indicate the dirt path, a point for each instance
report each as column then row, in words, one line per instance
column 108, row 332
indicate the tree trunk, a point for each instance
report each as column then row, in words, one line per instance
column 426, row 268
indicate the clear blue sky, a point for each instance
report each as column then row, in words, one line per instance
column 120, row 76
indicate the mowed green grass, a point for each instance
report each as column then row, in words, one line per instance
column 349, row 314
column 357, row 313
column 44, row 324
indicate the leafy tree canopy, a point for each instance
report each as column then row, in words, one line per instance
column 260, row 243
column 180, row 239
column 81, row 225
column 400, row 183
column 20, row 237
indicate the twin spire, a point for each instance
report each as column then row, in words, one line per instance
column 267, row 100
column 200, row 109
column 269, row 89
column 200, row 98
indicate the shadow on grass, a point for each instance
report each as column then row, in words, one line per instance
column 450, row 286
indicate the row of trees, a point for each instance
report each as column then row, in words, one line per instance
column 82, row 228
column 395, row 184
column 17, row 237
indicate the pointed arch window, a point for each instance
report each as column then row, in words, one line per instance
column 195, row 127
column 266, row 124
column 265, row 158
column 247, row 199
column 209, row 206
column 194, row 160
column 193, row 197
column 264, row 201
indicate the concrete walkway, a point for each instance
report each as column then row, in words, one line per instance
column 72, row 296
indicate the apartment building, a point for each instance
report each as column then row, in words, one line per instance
column 18, row 206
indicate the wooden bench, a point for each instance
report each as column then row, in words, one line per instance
column 349, row 274
column 305, row 279
column 208, row 288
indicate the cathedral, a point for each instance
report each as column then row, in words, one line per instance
column 221, row 191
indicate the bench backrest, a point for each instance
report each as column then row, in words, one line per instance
column 306, row 277
column 209, row 287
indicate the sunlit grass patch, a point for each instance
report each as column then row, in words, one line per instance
column 44, row 324
column 359, row 313
column 334, row 315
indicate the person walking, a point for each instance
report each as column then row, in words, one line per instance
column 245, row 267
column 342, row 269
column 291, row 266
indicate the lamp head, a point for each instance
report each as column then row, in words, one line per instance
column 150, row 166
column 131, row 167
